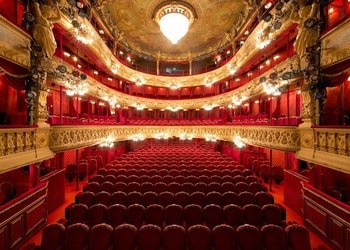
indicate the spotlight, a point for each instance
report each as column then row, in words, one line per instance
column 267, row 17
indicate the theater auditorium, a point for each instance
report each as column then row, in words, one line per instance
column 175, row 124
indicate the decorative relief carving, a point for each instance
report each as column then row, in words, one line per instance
column 334, row 141
column 14, row 44
column 281, row 138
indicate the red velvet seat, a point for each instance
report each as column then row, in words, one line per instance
column 188, row 187
column 174, row 187
column 102, row 171
column 118, row 197
column 146, row 187
column 262, row 198
column 213, row 215
column 193, row 214
column 119, row 186
column 132, row 187
column 246, row 197
column 224, row 237
column 251, row 178
column 238, row 178
column 86, row 198
column 94, row 187
column 52, row 236
column 233, row 215
column 121, row 178
column 203, row 178
column 149, row 237
column 125, row 237
column 101, row 237
column 199, row 198
column 248, row 237
column 214, row 197
column 214, row 177
column 255, row 187
column 174, row 214
column 97, row 178
column 174, row 237
column 96, row 214
column 134, row 197
column 214, row 186
column 265, row 171
column 182, row 198
column 298, row 237
column 76, row 237
column 227, row 186
column 273, row 214
column 149, row 198
column 198, row 237
column 166, row 198
column 77, row 213
column 277, row 174
column 145, row 178
column 236, row 172
column 107, row 186
column 241, row 187
column 230, row 198
column 160, row 187
column 273, row 237
column 201, row 187
column 252, row 215
column 110, row 178
column 154, row 214
column 135, row 215
column 102, row 197
column 116, row 214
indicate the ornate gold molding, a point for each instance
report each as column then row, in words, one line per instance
column 335, row 45
column 325, row 146
column 249, row 90
column 14, row 44
column 70, row 137
column 23, row 146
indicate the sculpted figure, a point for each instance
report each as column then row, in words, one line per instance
column 45, row 15
column 306, row 36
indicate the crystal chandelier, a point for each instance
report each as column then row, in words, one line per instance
column 174, row 18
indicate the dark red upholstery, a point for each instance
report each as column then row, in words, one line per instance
column 252, row 215
column 193, row 214
column 96, row 214
column 116, row 214
column 52, row 236
column 248, row 237
column 149, row 198
column 233, row 215
column 273, row 237
column 174, row 237
column 213, row 215
column 101, row 237
column 224, row 237
column 118, row 197
column 174, row 214
column 298, row 237
column 125, row 237
column 198, row 237
column 76, row 236
column 135, row 215
column 149, row 237
column 154, row 214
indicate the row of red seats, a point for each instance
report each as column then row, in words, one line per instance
column 182, row 198
column 113, row 170
column 174, row 237
column 210, row 215
column 175, row 187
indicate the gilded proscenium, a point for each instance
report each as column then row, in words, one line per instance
column 325, row 146
column 70, row 137
column 101, row 51
column 251, row 89
column 22, row 146
column 14, row 44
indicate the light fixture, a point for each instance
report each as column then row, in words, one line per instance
column 239, row 141
column 174, row 18
column 137, row 137
column 107, row 142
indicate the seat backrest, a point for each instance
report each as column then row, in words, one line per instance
column 107, row 186
column 188, row 187
column 201, row 187
column 92, row 187
column 273, row 237
column 213, row 215
column 154, row 214
column 149, row 198
column 252, row 214
column 96, row 214
column 174, row 187
column 146, row 187
column 102, row 197
column 233, row 215
column 228, row 187
column 214, row 197
column 77, row 213
column 125, row 237
column 246, row 197
column 76, row 236
column 116, row 214
column 262, row 198
column 241, row 187
column 272, row 214
column 149, row 237
column 166, row 198
column 224, row 237
column 134, row 197
column 135, row 214
column 86, row 198
column 174, row 237
column 198, row 237
column 182, row 198
column 298, row 237
column 52, row 236
column 248, row 237
column 118, row 197
column 193, row 214
column 199, row 198
column 100, row 237
column 119, row 186
column 174, row 214
column 230, row 197
column 255, row 187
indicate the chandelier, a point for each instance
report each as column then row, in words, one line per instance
column 174, row 18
